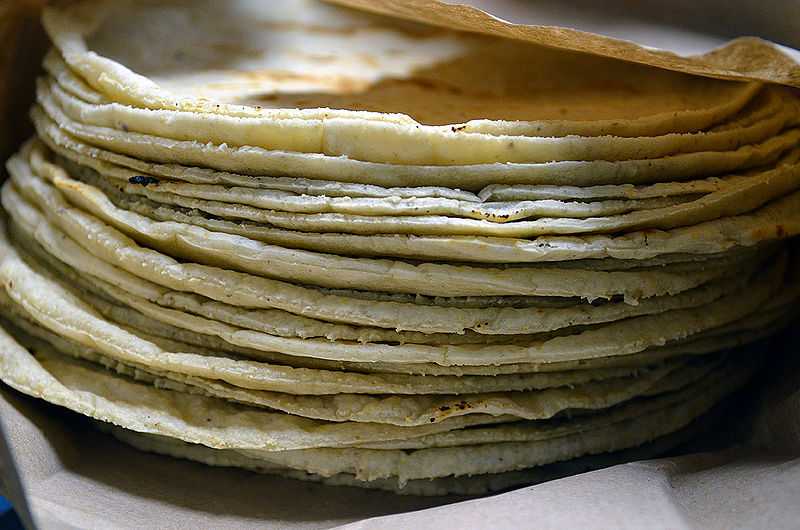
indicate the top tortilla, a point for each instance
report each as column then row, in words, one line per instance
column 416, row 80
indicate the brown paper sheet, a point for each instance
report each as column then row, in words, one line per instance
column 73, row 477
column 742, row 58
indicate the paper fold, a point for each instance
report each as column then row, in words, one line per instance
column 744, row 58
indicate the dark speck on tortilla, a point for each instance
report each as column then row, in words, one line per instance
column 144, row 181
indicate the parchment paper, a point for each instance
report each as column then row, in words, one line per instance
column 62, row 474
column 741, row 58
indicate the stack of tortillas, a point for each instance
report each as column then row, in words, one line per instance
column 319, row 243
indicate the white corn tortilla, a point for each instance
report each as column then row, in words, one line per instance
column 186, row 417
column 416, row 410
column 741, row 194
column 500, row 320
column 759, row 325
column 28, row 288
column 393, row 67
column 713, row 163
column 673, row 389
column 410, row 144
column 475, row 485
column 774, row 316
column 716, row 237
column 333, row 271
column 258, row 162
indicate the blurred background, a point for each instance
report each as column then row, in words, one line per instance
column 713, row 21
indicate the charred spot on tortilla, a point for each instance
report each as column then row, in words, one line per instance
column 143, row 180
